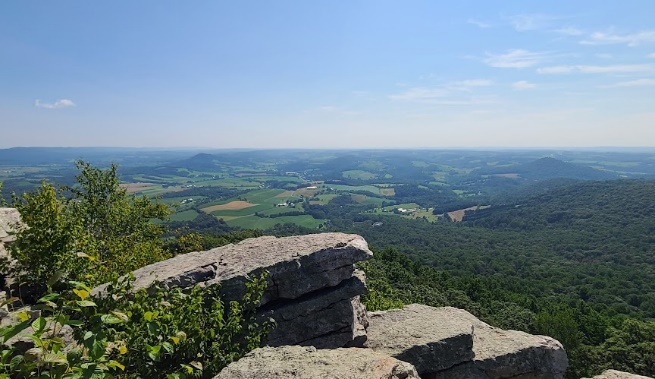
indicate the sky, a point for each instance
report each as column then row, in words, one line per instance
column 327, row 74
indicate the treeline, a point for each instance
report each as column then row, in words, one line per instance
column 594, row 340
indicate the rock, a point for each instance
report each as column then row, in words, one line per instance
column 296, row 265
column 308, row 363
column 613, row 374
column 326, row 319
column 9, row 222
column 507, row 354
column 429, row 338
column 312, row 287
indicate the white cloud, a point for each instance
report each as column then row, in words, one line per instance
column 651, row 55
column 556, row 70
column 523, row 85
column 420, row 94
column 61, row 103
column 611, row 38
column 636, row 83
column 582, row 69
column 479, row 24
column 516, row 58
column 527, row 22
column 468, row 85
column 569, row 31
column 604, row 56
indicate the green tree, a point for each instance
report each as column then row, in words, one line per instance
column 99, row 220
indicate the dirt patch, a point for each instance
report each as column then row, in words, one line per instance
column 508, row 176
column 136, row 187
column 458, row 215
column 387, row 191
column 232, row 205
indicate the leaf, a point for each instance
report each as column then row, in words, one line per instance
column 197, row 365
column 9, row 301
column 111, row 319
column 16, row 362
column 122, row 350
column 55, row 278
column 85, row 303
column 114, row 364
column 121, row 315
column 39, row 324
column 148, row 316
column 168, row 347
column 80, row 285
column 49, row 297
column 15, row 329
column 54, row 358
column 23, row 316
column 154, row 352
column 82, row 294
column 176, row 340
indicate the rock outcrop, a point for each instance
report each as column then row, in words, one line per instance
column 313, row 289
column 298, row 362
column 613, row 374
column 452, row 343
column 9, row 219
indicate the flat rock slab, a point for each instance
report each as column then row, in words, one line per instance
column 429, row 338
column 296, row 265
column 298, row 362
column 614, row 374
column 507, row 354
column 9, row 218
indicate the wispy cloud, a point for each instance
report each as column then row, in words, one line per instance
column 611, row 38
column 61, row 103
column 583, row 69
column 569, row 31
column 523, row 85
column 516, row 58
column 605, row 56
column 420, row 94
column 636, row 83
column 468, row 85
column 527, row 22
column 479, row 24
column 651, row 55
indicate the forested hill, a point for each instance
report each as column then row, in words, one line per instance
column 593, row 241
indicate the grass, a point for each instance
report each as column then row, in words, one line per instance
column 188, row 215
column 254, row 222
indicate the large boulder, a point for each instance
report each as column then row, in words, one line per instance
column 452, row 343
column 298, row 362
column 507, row 354
column 429, row 338
column 312, row 287
column 296, row 265
column 614, row 374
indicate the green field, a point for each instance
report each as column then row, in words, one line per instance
column 187, row 215
column 254, row 222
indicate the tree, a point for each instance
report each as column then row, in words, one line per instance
column 99, row 221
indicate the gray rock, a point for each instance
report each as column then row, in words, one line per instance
column 296, row 265
column 308, row 363
column 326, row 319
column 614, row 374
column 9, row 223
column 429, row 338
column 507, row 354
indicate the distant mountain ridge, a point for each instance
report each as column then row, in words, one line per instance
column 551, row 168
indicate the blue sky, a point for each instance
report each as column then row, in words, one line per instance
column 327, row 74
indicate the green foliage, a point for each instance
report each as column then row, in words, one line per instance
column 50, row 357
column 148, row 333
column 99, row 221
column 176, row 333
column 594, row 340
